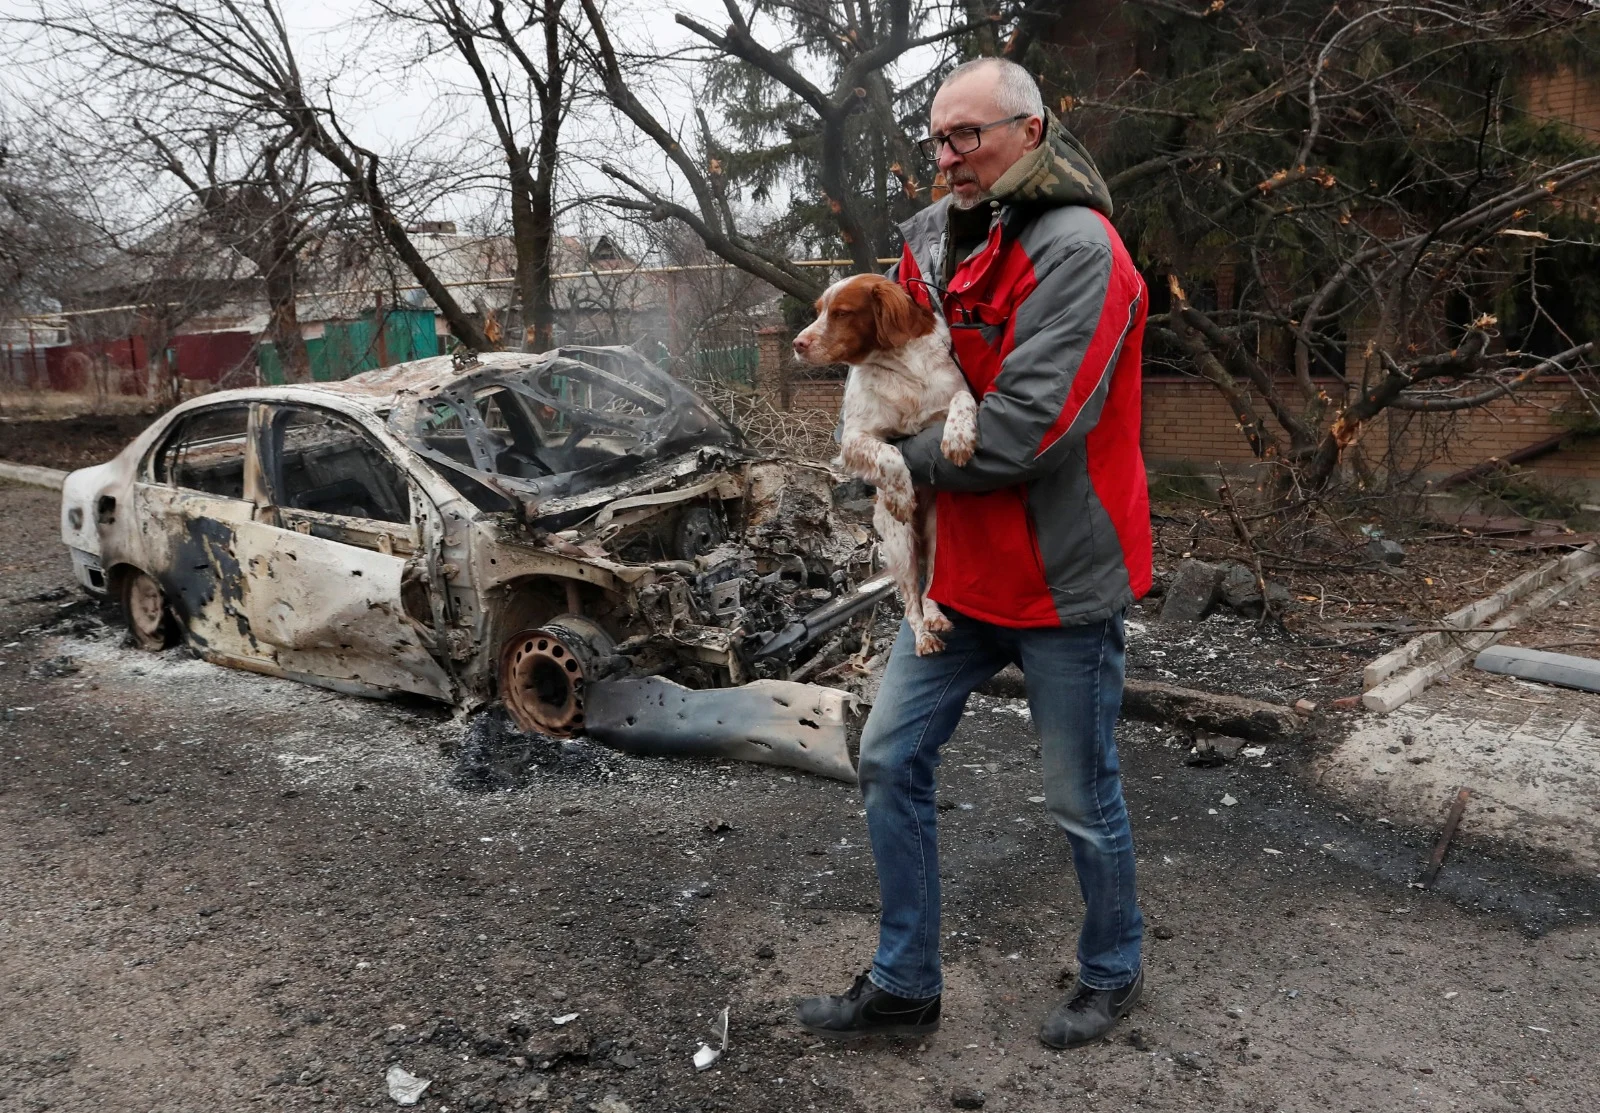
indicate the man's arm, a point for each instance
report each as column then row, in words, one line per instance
column 1050, row 390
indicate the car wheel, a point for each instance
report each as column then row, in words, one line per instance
column 144, row 609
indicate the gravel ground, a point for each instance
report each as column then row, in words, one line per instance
column 220, row 890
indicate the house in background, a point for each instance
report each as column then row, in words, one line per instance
column 363, row 310
column 163, row 312
column 183, row 313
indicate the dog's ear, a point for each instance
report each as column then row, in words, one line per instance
column 897, row 316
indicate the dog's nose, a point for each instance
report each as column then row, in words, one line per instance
column 802, row 344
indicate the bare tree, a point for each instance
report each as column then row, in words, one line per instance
column 709, row 298
column 1327, row 173
column 848, row 132
column 235, row 57
column 116, row 280
column 521, row 58
column 48, row 230
column 269, row 208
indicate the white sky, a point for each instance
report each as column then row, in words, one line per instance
column 396, row 105
column 435, row 105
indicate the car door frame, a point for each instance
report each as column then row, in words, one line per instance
column 334, row 545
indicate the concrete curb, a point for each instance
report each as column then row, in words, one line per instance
column 1388, row 687
column 50, row 478
column 1467, row 619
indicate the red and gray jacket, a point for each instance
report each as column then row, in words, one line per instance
column 1049, row 524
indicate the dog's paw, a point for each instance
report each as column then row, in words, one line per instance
column 958, row 443
column 900, row 501
column 858, row 459
column 934, row 619
column 929, row 644
column 960, row 439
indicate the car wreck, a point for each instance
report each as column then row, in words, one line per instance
column 574, row 533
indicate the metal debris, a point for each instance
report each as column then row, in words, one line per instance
column 1452, row 821
column 706, row 1054
column 770, row 721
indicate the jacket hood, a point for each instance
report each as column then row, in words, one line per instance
column 1057, row 172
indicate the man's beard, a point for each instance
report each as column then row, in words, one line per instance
column 963, row 177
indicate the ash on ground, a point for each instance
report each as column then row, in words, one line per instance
column 496, row 756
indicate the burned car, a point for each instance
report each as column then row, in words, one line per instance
column 575, row 533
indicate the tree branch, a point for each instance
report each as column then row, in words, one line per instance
column 715, row 238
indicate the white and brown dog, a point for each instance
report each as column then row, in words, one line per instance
column 902, row 379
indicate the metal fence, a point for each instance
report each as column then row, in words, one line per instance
column 347, row 348
column 728, row 358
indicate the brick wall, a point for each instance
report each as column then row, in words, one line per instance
column 1565, row 96
column 1189, row 422
column 816, row 394
column 772, row 363
column 1455, row 441
column 790, row 384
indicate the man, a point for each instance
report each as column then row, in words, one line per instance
column 1043, row 541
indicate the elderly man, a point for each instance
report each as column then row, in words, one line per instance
column 1044, row 540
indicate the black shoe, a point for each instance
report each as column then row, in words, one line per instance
column 867, row 1010
column 1089, row 1014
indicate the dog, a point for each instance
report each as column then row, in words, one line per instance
column 902, row 379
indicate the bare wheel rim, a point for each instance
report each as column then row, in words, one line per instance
column 146, row 610
column 544, row 673
column 541, row 681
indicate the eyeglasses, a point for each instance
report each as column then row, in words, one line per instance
column 963, row 141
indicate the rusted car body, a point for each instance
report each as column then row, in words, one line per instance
column 575, row 533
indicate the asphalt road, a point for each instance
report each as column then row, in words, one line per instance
column 219, row 891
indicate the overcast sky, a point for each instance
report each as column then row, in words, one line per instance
column 397, row 99
column 435, row 103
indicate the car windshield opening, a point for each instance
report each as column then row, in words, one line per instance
column 568, row 411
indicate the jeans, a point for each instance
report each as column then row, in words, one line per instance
column 1074, row 683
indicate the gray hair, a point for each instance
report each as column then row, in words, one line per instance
column 1016, row 93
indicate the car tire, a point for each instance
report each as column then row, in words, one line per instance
column 145, row 611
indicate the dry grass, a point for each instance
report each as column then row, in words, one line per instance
column 806, row 434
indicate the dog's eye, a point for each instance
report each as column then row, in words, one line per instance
column 840, row 312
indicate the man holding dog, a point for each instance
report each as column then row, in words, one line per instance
column 1043, row 542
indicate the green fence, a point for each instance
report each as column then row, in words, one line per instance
column 348, row 348
column 733, row 363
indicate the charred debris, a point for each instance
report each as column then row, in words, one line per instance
column 641, row 552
